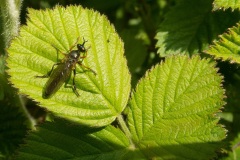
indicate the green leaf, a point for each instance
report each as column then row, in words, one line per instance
column 227, row 48
column 173, row 110
column 190, row 27
column 14, row 125
column 225, row 4
column 13, row 129
column 102, row 97
column 235, row 149
column 59, row 140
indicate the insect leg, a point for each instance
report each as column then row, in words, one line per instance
column 70, row 49
column 80, row 63
column 74, row 85
column 85, row 53
column 49, row 73
column 65, row 54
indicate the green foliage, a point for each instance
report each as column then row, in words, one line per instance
column 135, row 53
column 13, row 123
column 190, row 26
column 102, row 97
column 178, row 92
column 59, row 140
column 227, row 48
column 225, row 4
column 235, row 150
column 174, row 104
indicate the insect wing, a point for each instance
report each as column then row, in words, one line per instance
column 56, row 80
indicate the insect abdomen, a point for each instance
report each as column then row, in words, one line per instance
column 56, row 80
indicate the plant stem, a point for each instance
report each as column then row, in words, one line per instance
column 125, row 129
column 9, row 13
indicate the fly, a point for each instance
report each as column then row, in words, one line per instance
column 61, row 71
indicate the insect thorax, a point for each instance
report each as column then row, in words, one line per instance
column 75, row 54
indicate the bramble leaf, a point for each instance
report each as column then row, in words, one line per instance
column 234, row 153
column 191, row 26
column 59, row 140
column 14, row 125
column 33, row 53
column 227, row 48
column 225, row 4
column 173, row 110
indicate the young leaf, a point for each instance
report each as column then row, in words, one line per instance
column 33, row 53
column 59, row 140
column 227, row 48
column 172, row 112
column 225, row 4
column 190, row 26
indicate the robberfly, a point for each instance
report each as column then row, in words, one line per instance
column 61, row 71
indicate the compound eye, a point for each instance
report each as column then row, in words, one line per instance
column 81, row 48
